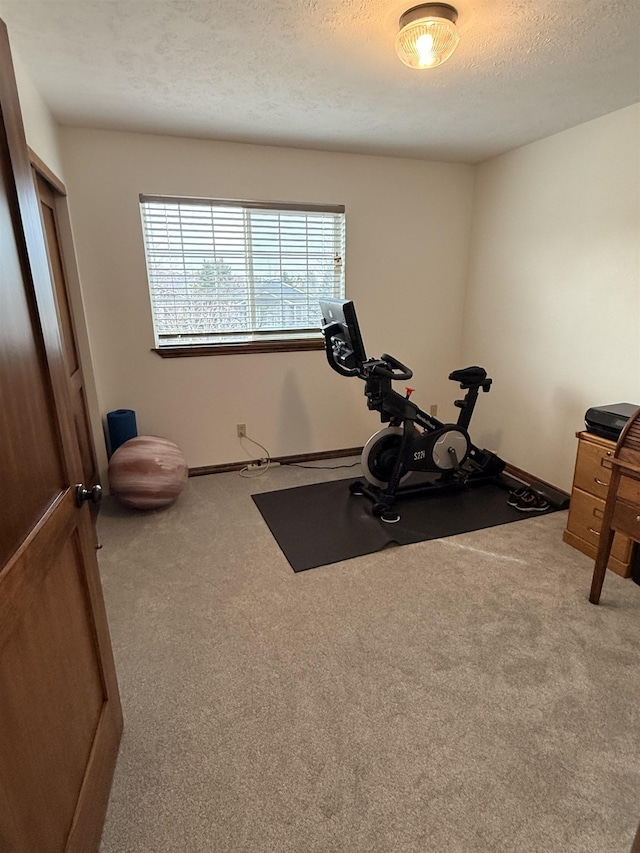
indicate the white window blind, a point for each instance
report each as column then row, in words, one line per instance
column 225, row 272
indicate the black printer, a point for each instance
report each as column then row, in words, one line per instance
column 609, row 421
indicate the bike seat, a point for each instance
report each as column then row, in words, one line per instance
column 469, row 376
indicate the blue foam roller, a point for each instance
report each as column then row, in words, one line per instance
column 122, row 426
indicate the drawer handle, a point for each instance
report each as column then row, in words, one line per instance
column 591, row 530
column 599, row 482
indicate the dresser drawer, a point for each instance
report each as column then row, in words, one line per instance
column 585, row 521
column 593, row 468
column 592, row 475
column 629, row 490
column 627, row 519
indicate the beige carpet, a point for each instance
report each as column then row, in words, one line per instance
column 453, row 696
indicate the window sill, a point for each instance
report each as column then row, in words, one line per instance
column 192, row 350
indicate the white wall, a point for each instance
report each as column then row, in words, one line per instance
column 551, row 305
column 407, row 237
column 39, row 126
column 553, row 302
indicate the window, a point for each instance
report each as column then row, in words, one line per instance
column 240, row 276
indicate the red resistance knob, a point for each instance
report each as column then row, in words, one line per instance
column 409, row 392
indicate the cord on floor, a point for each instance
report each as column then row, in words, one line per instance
column 253, row 470
column 320, row 467
column 262, row 466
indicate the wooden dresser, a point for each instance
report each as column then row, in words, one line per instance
column 588, row 496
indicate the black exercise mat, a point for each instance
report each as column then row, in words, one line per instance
column 323, row 523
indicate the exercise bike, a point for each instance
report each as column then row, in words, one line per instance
column 412, row 441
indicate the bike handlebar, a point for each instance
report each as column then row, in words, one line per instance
column 396, row 369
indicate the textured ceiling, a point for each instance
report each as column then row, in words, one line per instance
column 323, row 73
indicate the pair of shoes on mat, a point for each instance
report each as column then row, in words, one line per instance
column 526, row 499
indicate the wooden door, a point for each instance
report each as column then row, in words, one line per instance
column 60, row 717
column 50, row 191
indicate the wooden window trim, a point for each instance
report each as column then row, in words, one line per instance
column 197, row 350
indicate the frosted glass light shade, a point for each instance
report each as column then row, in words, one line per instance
column 427, row 36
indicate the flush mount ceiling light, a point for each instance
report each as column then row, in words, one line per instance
column 428, row 35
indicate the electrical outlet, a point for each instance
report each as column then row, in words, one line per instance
column 433, row 410
column 242, row 430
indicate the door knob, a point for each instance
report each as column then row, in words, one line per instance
column 94, row 494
